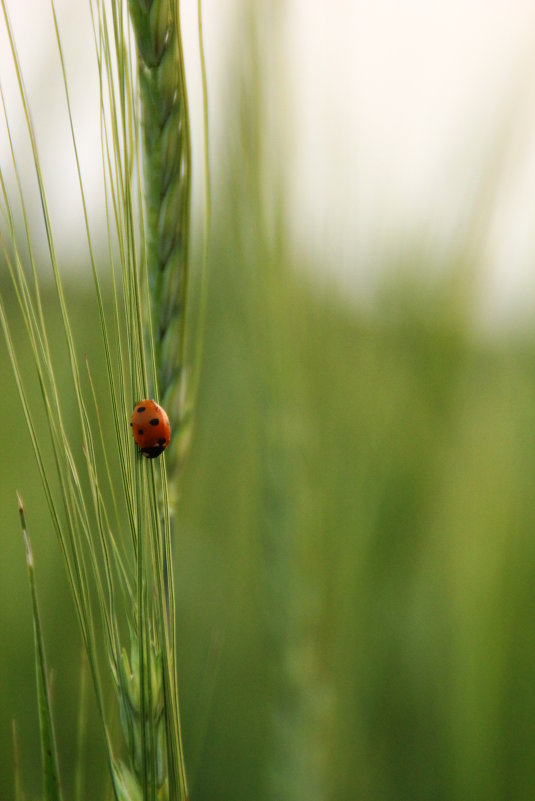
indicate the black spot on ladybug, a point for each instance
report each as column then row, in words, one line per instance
column 140, row 431
column 140, row 409
column 154, row 421
column 130, row 425
column 153, row 452
column 161, row 441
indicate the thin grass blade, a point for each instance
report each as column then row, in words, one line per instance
column 19, row 793
column 49, row 754
column 81, row 734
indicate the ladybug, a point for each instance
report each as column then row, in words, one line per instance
column 150, row 427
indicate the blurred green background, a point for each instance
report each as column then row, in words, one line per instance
column 355, row 557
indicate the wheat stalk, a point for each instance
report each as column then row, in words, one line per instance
column 166, row 158
column 117, row 556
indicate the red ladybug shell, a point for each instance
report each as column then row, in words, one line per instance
column 150, row 427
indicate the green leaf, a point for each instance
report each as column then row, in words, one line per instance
column 51, row 780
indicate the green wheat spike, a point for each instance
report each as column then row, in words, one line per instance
column 167, row 171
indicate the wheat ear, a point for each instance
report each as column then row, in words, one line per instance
column 167, row 174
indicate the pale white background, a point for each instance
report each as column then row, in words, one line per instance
column 394, row 120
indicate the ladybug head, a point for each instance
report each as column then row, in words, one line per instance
column 153, row 451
